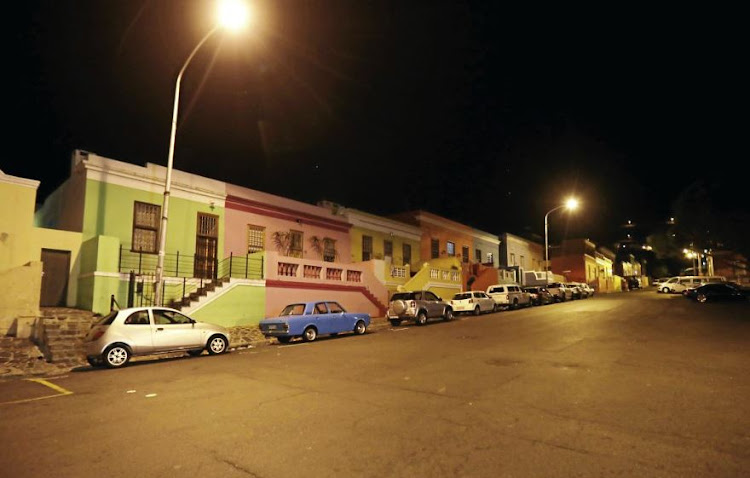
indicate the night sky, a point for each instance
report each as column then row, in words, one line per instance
column 484, row 114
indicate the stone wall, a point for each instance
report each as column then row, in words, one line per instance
column 59, row 333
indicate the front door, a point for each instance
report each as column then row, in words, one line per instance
column 172, row 330
column 55, row 269
column 206, row 243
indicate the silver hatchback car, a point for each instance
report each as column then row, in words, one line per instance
column 125, row 333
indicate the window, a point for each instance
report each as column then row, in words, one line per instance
column 366, row 248
column 388, row 249
column 512, row 259
column 138, row 318
column 335, row 308
column 465, row 254
column 407, row 253
column 329, row 250
column 434, row 248
column 450, row 248
column 320, row 308
column 478, row 255
column 430, row 296
column 490, row 258
column 169, row 317
column 523, row 261
column 145, row 227
column 295, row 243
column 256, row 239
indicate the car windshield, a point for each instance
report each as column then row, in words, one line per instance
column 293, row 309
column 461, row 296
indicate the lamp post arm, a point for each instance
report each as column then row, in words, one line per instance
column 546, row 238
column 168, row 181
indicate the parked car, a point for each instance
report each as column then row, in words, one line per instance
column 632, row 282
column 658, row 282
column 308, row 320
column 539, row 295
column 559, row 291
column 680, row 283
column 575, row 289
column 509, row 296
column 718, row 291
column 474, row 302
column 589, row 290
column 418, row 306
column 126, row 333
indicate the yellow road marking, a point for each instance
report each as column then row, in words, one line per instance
column 60, row 392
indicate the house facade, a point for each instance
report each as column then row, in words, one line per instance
column 520, row 255
column 580, row 260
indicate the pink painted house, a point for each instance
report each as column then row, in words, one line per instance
column 306, row 250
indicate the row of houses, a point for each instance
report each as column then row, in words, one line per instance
column 235, row 255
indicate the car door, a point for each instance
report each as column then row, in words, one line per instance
column 486, row 302
column 340, row 320
column 322, row 319
column 173, row 330
column 435, row 307
column 137, row 328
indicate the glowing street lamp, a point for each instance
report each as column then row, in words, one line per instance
column 571, row 205
column 232, row 15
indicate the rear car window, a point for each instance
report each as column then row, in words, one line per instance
column 461, row 296
column 107, row 319
column 403, row 296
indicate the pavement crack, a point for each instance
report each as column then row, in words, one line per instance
column 236, row 466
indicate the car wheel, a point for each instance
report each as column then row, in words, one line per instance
column 195, row 353
column 702, row 298
column 515, row 303
column 360, row 328
column 116, row 356
column 421, row 318
column 310, row 334
column 395, row 322
column 495, row 308
column 477, row 311
column 217, row 345
column 448, row 315
column 665, row 290
column 284, row 340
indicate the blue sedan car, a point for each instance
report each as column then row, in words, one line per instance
column 310, row 319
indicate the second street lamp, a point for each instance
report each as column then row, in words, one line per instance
column 571, row 205
column 232, row 15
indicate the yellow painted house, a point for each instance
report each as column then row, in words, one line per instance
column 36, row 264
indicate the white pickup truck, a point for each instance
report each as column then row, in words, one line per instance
column 509, row 296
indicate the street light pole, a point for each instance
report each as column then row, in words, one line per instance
column 569, row 204
column 168, row 183
column 232, row 14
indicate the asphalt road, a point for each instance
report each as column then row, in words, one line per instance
column 630, row 385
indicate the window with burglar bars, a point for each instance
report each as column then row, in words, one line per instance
column 407, row 254
column 208, row 225
column 146, row 218
column 295, row 244
column 256, row 239
column 435, row 248
column 388, row 248
column 465, row 254
column 329, row 250
column 366, row 248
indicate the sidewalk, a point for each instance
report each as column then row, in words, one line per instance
column 20, row 358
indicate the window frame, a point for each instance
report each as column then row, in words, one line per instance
column 145, row 227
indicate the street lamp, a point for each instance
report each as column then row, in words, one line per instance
column 571, row 205
column 232, row 15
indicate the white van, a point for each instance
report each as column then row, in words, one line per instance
column 676, row 285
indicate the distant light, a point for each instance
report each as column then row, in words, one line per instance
column 233, row 14
column 629, row 221
column 671, row 219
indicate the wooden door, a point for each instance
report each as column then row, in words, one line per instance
column 55, row 271
column 206, row 245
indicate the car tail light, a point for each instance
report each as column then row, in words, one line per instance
column 471, row 301
column 95, row 334
column 412, row 304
